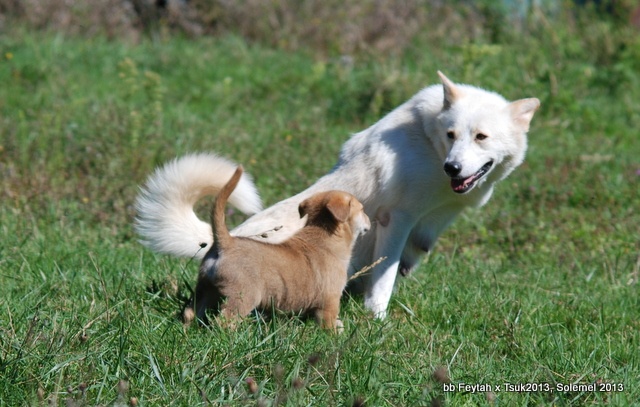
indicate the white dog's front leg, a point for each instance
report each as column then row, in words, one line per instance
column 391, row 237
column 378, row 293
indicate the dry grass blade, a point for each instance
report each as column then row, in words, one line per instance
column 365, row 269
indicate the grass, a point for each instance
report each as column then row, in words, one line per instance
column 540, row 286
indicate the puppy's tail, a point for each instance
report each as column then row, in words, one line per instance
column 166, row 221
column 221, row 236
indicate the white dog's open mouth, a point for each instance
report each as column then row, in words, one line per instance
column 462, row 185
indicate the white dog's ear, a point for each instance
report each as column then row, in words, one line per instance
column 451, row 91
column 522, row 112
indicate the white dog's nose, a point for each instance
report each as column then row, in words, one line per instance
column 452, row 168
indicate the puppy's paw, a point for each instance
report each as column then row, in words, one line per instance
column 228, row 320
column 339, row 326
column 188, row 315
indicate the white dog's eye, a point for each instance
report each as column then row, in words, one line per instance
column 451, row 135
column 481, row 136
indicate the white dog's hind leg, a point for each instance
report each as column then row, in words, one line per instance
column 390, row 240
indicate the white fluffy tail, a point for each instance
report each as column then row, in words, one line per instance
column 166, row 221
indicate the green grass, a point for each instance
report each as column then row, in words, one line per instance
column 540, row 286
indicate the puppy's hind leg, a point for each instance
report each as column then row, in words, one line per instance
column 235, row 308
column 206, row 296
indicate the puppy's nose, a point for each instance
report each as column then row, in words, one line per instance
column 365, row 224
column 452, row 168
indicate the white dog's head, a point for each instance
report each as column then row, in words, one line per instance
column 485, row 135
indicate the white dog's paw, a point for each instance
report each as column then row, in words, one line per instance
column 378, row 309
column 380, row 314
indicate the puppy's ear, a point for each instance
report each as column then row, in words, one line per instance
column 303, row 208
column 451, row 91
column 339, row 205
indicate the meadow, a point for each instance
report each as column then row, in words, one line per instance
column 538, row 289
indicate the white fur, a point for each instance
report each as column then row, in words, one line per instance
column 395, row 168
column 166, row 220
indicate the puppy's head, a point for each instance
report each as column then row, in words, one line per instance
column 333, row 209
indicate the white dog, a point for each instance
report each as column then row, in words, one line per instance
column 414, row 171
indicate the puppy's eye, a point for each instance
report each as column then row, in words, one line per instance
column 451, row 135
column 481, row 136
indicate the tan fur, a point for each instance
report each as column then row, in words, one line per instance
column 305, row 273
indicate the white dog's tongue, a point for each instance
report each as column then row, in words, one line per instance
column 461, row 184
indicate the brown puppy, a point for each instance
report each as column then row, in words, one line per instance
column 306, row 273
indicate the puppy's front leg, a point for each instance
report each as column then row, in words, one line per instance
column 327, row 316
column 391, row 237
